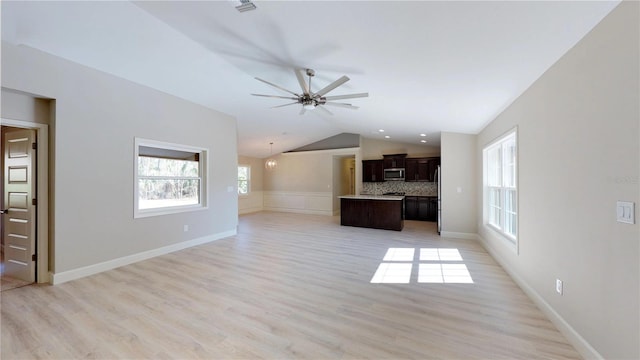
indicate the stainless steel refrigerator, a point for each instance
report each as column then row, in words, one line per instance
column 439, row 211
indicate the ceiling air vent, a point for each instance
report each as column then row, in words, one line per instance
column 245, row 5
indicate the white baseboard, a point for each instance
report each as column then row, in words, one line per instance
column 582, row 346
column 459, row 235
column 300, row 211
column 250, row 210
column 62, row 277
column 315, row 203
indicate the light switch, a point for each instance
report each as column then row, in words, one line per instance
column 625, row 212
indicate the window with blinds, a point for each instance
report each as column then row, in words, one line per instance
column 168, row 178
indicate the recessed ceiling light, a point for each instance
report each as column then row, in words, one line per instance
column 381, row 130
column 423, row 135
column 387, row 137
column 423, row 141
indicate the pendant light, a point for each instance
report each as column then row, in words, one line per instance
column 271, row 163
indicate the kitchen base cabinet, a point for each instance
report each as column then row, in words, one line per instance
column 422, row 208
column 371, row 213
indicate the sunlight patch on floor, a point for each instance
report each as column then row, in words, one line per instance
column 435, row 266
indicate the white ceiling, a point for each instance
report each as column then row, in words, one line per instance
column 429, row 66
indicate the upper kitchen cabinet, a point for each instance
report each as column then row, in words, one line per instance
column 421, row 169
column 372, row 170
column 396, row 161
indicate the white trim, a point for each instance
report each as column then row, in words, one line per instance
column 503, row 238
column 78, row 273
column 582, row 346
column 459, row 235
column 511, row 241
column 300, row 211
column 250, row 210
column 42, row 190
column 204, row 176
column 315, row 203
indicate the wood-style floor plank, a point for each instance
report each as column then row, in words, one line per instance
column 288, row 286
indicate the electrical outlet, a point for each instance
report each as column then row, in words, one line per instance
column 559, row 286
column 186, row 228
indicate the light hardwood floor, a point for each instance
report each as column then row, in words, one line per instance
column 287, row 286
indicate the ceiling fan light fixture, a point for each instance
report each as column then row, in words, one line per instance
column 311, row 100
column 245, row 5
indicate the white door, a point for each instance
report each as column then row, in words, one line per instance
column 19, row 215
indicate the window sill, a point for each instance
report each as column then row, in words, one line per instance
column 167, row 211
column 507, row 240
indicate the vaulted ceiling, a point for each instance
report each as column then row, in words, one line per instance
column 428, row 66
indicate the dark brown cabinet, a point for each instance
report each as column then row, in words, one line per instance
column 396, row 161
column 421, row 169
column 372, row 171
column 411, row 207
column 422, row 208
column 370, row 213
column 432, row 208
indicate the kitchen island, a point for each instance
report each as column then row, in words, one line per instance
column 371, row 211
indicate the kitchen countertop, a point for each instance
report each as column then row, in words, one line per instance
column 421, row 195
column 372, row 197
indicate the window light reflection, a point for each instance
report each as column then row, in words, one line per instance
column 444, row 273
column 438, row 254
column 435, row 266
column 392, row 273
column 399, row 254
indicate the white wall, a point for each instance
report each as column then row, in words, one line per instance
column 578, row 132
column 305, row 182
column 97, row 117
column 21, row 106
column 374, row 149
column 459, row 191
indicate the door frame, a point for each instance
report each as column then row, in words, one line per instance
column 42, row 191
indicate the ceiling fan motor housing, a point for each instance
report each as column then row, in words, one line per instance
column 309, row 99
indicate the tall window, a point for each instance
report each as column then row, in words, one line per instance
column 500, row 186
column 169, row 178
column 244, row 179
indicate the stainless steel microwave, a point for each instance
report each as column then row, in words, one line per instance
column 393, row 174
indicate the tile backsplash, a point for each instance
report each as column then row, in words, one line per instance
column 410, row 188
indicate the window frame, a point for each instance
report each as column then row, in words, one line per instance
column 502, row 188
column 248, row 180
column 203, row 176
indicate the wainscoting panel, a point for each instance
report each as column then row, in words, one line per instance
column 253, row 202
column 318, row 203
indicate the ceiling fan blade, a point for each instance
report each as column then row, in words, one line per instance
column 332, row 86
column 273, row 107
column 277, row 87
column 322, row 109
column 303, row 84
column 348, row 96
column 276, row 96
column 302, row 110
column 348, row 106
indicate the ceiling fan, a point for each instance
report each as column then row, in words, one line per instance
column 313, row 100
